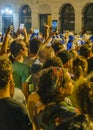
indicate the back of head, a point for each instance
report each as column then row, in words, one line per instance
column 57, row 46
column 84, row 96
column 85, row 50
column 65, row 56
column 52, row 61
column 80, row 66
column 5, row 71
column 45, row 52
column 50, row 82
column 15, row 48
column 35, row 44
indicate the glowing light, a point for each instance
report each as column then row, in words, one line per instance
column 7, row 11
column 2, row 11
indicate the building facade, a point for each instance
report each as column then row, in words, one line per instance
column 70, row 15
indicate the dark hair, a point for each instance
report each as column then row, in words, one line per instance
column 84, row 96
column 80, row 66
column 15, row 48
column 5, row 71
column 85, row 50
column 50, row 81
column 52, row 61
column 57, row 46
column 35, row 45
column 65, row 56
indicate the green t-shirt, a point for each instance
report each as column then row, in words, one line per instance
column 20, row 73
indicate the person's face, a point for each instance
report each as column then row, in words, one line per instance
column 25, row 50
column 68, row 86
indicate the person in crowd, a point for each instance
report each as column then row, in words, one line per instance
column 84, row 97
column 57, row 46
column 80, row 67
column 86, row 51
column 54, row 85
column 34, row 98
column 52, row 61
column 5, row 44
column 45, row 52
column 84, row 101
column 21, row 71
column 66, row 59
column 13, row 115
column 34, row 46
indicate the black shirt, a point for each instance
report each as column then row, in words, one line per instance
column 13, row 115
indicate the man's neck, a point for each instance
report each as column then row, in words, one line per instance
column 4, row 93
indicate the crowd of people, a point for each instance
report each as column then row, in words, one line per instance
column 46, row 80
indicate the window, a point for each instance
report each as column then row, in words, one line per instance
column 67, row 18
column 88, row 17
column 25, row 17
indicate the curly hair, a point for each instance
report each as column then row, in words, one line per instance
column 50, row 81
column 5, row 71
column 84, row 96
column 80, row 66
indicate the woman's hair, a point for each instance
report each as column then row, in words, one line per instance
column 84, row 96
column 50, row 81
column 15, row 48
column 80, row 66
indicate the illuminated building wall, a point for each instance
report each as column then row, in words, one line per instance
column 71, row 15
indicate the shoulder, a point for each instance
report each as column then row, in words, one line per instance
column 19, row 64
column 16, row 106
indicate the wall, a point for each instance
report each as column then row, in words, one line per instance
column 45, row 6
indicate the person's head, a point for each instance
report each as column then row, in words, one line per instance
column 66, row 58
column 57, row 46
column 85, row 50
column 54, row 84
column 52, row 62
column 84, row 96
column 6, row 78
column 80, row 67
column 18, row 48
column 45, row 52
column 35, row 44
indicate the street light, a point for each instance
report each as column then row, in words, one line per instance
column 7, row 11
